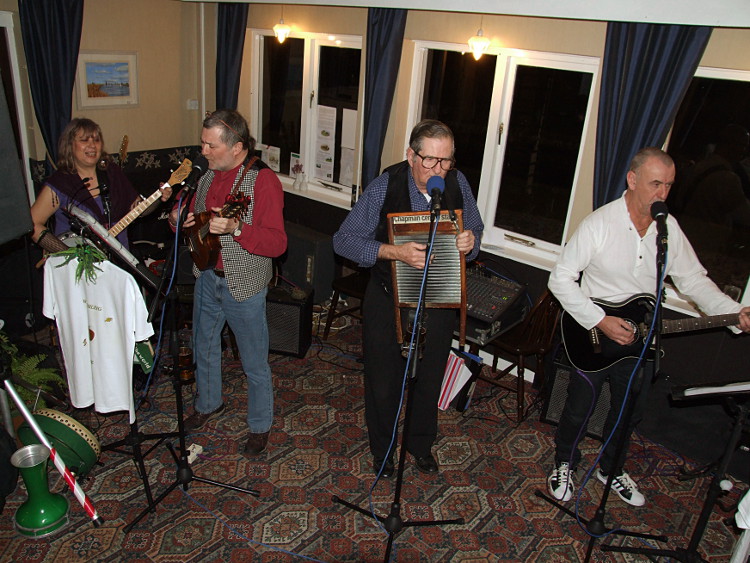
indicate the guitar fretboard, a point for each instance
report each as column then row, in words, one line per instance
column 134, row 213
column 700, row 323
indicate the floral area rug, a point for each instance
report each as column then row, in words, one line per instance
column 490, row 471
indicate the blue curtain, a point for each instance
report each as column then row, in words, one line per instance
column 647, row 70
column 385, row 35
column 51, row 32
column 230, row 40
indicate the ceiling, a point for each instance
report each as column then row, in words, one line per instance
column 719, row 13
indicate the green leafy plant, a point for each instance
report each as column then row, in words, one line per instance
column 27, row 369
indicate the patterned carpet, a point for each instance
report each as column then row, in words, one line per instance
column 490, row 470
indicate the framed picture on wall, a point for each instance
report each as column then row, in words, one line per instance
column 107, row 79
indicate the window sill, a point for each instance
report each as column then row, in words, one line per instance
column 318, row 193
column 535, row 257
column 545, row 260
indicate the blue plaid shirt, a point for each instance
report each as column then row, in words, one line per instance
column 355, row 238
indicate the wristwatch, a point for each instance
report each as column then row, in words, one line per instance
column 238, row 231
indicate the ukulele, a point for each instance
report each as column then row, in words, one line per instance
column 205, row 246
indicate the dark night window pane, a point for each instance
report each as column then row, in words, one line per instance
column 544, row 139
column 458, row 92
column 281, row 110
column 709, row 144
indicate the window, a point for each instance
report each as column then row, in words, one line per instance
column 519, row 121
column 544, row 134
column 710, row 197
column 464, row 110
column 307, row 111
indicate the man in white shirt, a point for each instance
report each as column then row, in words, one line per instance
column 613, row 251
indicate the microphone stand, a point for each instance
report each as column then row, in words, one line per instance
column 595, row 527
column 394, row 523
column 690, row 553
column 184, row 473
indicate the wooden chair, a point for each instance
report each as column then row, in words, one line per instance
column 531, row 337
column 352, row 285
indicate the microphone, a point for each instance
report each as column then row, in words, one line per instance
column 435, row 187
column 659, row 212
column 200, row 165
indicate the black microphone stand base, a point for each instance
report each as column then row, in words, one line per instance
column 595, row 526
column 133, row 441
column 184, row 473
column 184, row 476
column 393, row 523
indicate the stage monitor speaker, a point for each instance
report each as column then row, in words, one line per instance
column 289, row 321
column 556, row 392
column 309, row 261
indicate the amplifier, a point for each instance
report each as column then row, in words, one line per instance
column 309, row 260
column 555, row 393
column 289, row 314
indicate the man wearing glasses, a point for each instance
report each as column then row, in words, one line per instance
column 363, row 238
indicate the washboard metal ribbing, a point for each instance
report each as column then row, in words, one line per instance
column 446, row 280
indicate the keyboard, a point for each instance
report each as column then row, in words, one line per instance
column 488, row 296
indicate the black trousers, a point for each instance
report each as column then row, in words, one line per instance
column 583, row 394
column 385, row 367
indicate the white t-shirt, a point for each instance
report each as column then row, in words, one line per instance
column 98, row 324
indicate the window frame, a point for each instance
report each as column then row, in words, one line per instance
column 675, row 299
column 345, row 198
column 515, row 246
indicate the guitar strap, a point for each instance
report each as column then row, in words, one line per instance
column 236, row 187
column 103, row 179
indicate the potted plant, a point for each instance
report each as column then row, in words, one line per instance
column 35, row 383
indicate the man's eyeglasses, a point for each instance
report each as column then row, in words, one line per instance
column 429, row 162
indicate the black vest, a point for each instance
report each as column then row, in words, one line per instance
column 397, row 201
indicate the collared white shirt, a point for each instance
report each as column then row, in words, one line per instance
column 614, row 263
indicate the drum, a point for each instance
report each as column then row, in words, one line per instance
column 77, row 447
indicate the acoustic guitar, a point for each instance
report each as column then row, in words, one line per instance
column 177, row 176
column 205, row 246
column 591, row 350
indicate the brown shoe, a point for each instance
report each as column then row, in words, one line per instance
column 256, row 443
column 198, row 419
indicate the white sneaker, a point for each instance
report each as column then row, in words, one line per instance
column 625, row 487
column 560, row 482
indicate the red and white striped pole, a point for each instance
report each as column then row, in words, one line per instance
column 59, row 463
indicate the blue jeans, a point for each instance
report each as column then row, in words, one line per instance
column 213, row 305
column 580, row 400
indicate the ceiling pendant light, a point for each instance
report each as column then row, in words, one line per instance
column 281, row 30
column 478, row 44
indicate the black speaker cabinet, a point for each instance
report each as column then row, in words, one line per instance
column 309, row 261
column 556, row 391
column 289, row 321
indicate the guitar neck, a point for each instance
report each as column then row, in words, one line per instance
column 699, row 323
column 134, row 213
